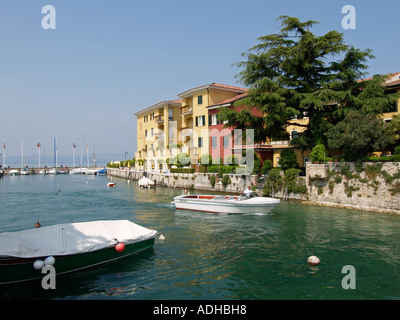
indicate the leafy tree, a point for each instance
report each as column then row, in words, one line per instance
column 273, row 182
column 394, row 128
column 296, row 74
column 359, row 134
column 318, row 153
column 267, row 166
column 288, row 159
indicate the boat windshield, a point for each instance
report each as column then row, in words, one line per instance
column 252, row 194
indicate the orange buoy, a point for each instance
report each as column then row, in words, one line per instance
column 37, row 224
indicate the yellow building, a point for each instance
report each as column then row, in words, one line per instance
column 194, row 132
column 157, row 128
column 392, row 86
column 179, row 126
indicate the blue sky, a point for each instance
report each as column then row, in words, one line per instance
column 108, row 59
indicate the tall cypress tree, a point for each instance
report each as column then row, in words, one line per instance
column 296, row 74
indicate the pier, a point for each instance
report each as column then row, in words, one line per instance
column 37, row 170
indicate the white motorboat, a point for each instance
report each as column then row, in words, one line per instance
column 13, row 172
column 24, row 172
column 53, row 171
column 146, row 182
column 226, row 204
column 78, row 171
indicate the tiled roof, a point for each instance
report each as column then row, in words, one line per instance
column 230, row 100
column 392, row 80
column 211, row 86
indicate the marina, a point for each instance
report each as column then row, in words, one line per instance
column 203, row 255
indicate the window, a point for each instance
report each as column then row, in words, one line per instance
column 152, row 132
column 226, row 141
column 199, row 99
column 146, row 118
column 200, row 142
column 294, row 134
column 145, row 133
column 214, row 120
column 214, row 142
column 200, row 121
column 151, row 116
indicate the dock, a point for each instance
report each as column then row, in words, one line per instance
column 37, row 170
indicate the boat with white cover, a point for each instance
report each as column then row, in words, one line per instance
column 226, row 204
column 146, row 182
column 69, row 247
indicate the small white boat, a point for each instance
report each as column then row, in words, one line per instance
column 91, row 171
column 111, row 184
column 53, row 171
column 24, row 172
column 13, row 172
column 146, row 182
column 226, row 204
column 78, row 171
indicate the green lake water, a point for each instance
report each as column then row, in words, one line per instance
column 208, row 256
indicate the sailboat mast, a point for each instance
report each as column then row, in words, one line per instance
column 94, row 159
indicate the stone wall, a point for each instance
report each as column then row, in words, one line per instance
column 368, row 186
column 199, row 181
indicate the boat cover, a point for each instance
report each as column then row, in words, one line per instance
column 145, row 182
column 71, row 238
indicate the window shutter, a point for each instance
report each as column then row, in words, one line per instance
column 197, row 121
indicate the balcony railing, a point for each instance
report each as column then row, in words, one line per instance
column 186, row 132
column 186, row 110
column 159, row 120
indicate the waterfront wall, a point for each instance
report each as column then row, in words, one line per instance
column 368, row 186
column 200, row 181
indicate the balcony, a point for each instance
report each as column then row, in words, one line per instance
column 186, row 132
column 159, row 120
column 186, row 110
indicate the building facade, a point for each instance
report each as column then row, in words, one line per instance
column 190, row 125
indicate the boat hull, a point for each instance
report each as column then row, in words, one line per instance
column 225, row 204
column 14, row 270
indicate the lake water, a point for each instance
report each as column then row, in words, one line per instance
column 208, row 256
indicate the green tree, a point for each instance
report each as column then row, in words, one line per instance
column 273, row 182
column 288, row 159
column 267, row 166
column 318, row 153
column 296, row 74
column 359, row 134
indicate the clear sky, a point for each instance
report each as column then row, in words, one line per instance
column 106, row 60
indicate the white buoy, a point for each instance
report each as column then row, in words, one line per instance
column 49, row 261
column 38, row 264
column 313, row 260
column 161, row 237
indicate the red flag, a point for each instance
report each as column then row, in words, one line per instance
column 38, row 145
column 74, row 145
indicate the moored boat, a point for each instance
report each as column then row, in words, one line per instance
column 71, row 246
column 146, row 182
column 78, row 171
column 226, row 204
